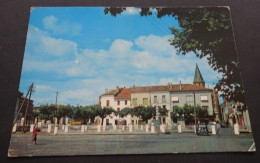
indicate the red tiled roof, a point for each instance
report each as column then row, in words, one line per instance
column 124, row 94
column 173, row 87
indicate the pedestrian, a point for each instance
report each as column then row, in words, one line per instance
column 34, row 135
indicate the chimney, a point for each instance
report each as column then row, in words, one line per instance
column 106, row 90
column 117, row 88
column 180, row 85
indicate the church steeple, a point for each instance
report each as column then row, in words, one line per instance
column 198, row 79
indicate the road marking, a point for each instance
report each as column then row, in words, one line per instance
column 252, row 148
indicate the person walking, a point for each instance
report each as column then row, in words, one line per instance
column 34, row 135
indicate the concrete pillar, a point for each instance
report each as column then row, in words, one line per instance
column 152, row 129
column 49, row 128
column 55, row 130
column 146, row 128
column 213, row 129
column 114, row 127
column 236, row 129
column 66, row 128
column 86, row 127
column 31, row 127
column 142, row 127
column 63, row 127
column 123, row 127
column 66, row 120
column 98, row 128
column 104, row 127
column 195, row 129
column 82, row 128
column 22, row 120
column 14, row 128
column 130, row 128
column 179, row 129
column 39, row 124
column 162, row 128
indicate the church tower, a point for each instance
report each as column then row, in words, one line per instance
column 198, row 79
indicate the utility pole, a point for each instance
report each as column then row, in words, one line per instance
column 25, row 115
column 57, row 93
column 195, row 108
column 56, row 98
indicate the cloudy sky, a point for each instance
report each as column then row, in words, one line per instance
column 79, row 52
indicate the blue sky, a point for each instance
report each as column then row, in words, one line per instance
column 80, row 51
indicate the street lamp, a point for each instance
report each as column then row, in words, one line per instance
column 194, row 108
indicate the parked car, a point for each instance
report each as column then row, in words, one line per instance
column 202, row 129
column 75, row 123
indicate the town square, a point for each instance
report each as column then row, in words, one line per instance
column 130, row 80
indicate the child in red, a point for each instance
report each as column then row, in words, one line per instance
column 34, row 135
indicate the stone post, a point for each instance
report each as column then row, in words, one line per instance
column 179, row 129
column 82, row 128
column 63, row 127
column 86, row 127
column 142, row 127
column 49, row 128
column 162, row 127
column 213, row 129
column 31, row 128
column 15, row 127
column 152, row 129
column 22, row 120
column 39, row 124
column 146, row 128
column 66, row 120
column 130, row 128
column 236, row 129
column 66, row 128
column 55, row 130
column 98, row 128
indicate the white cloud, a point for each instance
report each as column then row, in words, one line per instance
column 90, row 71
column 40, row 44
column 43, row 88
column 61, row 27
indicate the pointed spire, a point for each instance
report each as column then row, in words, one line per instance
column 198, row 79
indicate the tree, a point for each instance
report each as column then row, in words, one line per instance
column 64, row 111
column 47, row 112
column 124, row 112
column 105, row 112
column 94, row 111
column 207, row 32
column 163, row 111
column 148, row 113
column 187, row 112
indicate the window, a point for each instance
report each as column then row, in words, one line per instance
column 155, row 99
column 175, row 99
column 118, row 109
column 190, row 100
column 204, row 98
column 125, row 102
column 118, row 102
column 107, row 102
column 134, row 101
column 163, row 98
column 145, row 101
column 164, row 106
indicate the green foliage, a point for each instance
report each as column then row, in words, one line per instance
column 47, row 112
column 163, row 111
column 124, row 112
column 188, row 112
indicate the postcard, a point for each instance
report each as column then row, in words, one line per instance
column 129, row 80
